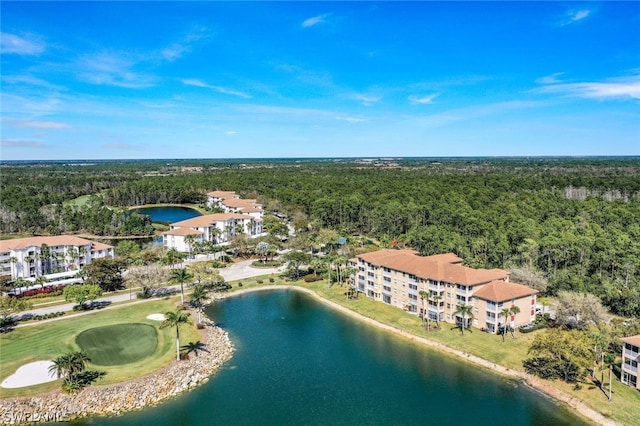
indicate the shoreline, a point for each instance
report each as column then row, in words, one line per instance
column 529, row 380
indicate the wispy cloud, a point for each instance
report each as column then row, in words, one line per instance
column 315, row 20
column 219, row 89
column 367, row 100
column 349, row 119
column 21, row 143
column 30, row 80
column 32, row 124
column 614, row 88
column 574, row 16
column 230, row 133
column 422, row 100
column 27, row 44
column 113, row 70
column 550, row 79
column 182, row 46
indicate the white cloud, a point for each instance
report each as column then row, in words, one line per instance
column 113, row 70
column 576, row 15
column 351, row 119
column 423, row 99
column 621, row 88
column 230, row 133
column 30, row 80
column 219, row 89
column 21, row 143
column 28, row 44
column 182, row 46
column 31, row 124
column 368, row 100
column 550, row 79
column 313, row 21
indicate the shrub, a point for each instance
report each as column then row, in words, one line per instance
column 312, row 278
column 272, row 280
column 259, row 281
column 240, row 284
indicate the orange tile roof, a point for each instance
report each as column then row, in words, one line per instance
column 210, row 219
column 440, row 267
column 634, row 340
column 222, row 194
column 96, row 245
column 182, row 231
column 51, row 241
column 238, row 202
column 501, row 291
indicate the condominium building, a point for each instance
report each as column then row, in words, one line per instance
column 48, row 256
column 630, row 360
column 215, row 228
column 230, row 202
column 397, row 278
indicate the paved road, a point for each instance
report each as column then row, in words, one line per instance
column 237, row 271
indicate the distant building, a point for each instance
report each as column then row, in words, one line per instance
column 630, row 360
column 215, row 228
column 396, row 277
column 230, row 202
column 51, row 257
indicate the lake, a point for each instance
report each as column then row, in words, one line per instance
column 169, row 214
column 299, row 363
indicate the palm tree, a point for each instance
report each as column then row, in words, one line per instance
column 45, row 254
column 437, row 298
column 504, row 314
column 198, row 297
column 190, row 240
column 465, row 312
column 174, row 319
column 14, row 261
column 262, row 249
column 69, row 365
column 41, row 280
column 513, row 310
column 424, row 295
column 72, row 255
column 181, row 276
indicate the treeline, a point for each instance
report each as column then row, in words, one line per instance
column 519, row 213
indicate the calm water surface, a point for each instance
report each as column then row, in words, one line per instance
column 169, row 214
column 299, row 363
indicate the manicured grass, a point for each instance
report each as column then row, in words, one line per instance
column 624, row 406
column 49, row 340
column 79, row 202
column 119, row 343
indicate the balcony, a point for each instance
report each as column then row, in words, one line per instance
column 630, row 369
column 465, row 293
column 631, row 354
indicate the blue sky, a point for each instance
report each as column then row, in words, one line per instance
column 102, row 80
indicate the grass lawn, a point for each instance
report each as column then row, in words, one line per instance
column 119, row 343
column 49, row 340
column 78, row 202
column 624, row 406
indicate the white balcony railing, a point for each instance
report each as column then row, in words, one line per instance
column 631, row 354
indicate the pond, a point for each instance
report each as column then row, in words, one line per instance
column 169, row 214
column 298, row 362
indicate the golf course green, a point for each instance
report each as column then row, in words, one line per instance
column 119, row 343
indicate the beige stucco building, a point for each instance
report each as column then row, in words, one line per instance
column 396, row 277
column 630, row 360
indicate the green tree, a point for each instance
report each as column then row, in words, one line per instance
column 174, row 319
column 181, row 276
column 465, row 314
column 41, row 281
column 436, row 298
column 505, row 313
column 295, row 260
column 81, row 293
column 9, row 306
column 198, row 297
column 514, row 310
column 424, row 295
column 262, row 250
column 106, row 273
column 561, row 354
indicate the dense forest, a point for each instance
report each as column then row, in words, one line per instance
column 573, row 222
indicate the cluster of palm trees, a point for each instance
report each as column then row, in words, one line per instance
column 71, row 367
column 465, row 313
column 434, row 298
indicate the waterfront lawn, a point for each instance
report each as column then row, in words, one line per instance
column 624, row 406
column 49, row 340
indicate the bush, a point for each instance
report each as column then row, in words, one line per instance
column 272, row 280
column 259, row 281
column 240, row 284
column 311, row 278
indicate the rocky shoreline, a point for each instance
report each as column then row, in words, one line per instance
column 117, row 399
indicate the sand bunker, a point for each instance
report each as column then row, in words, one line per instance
column 156, row 317
column 30, row 374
